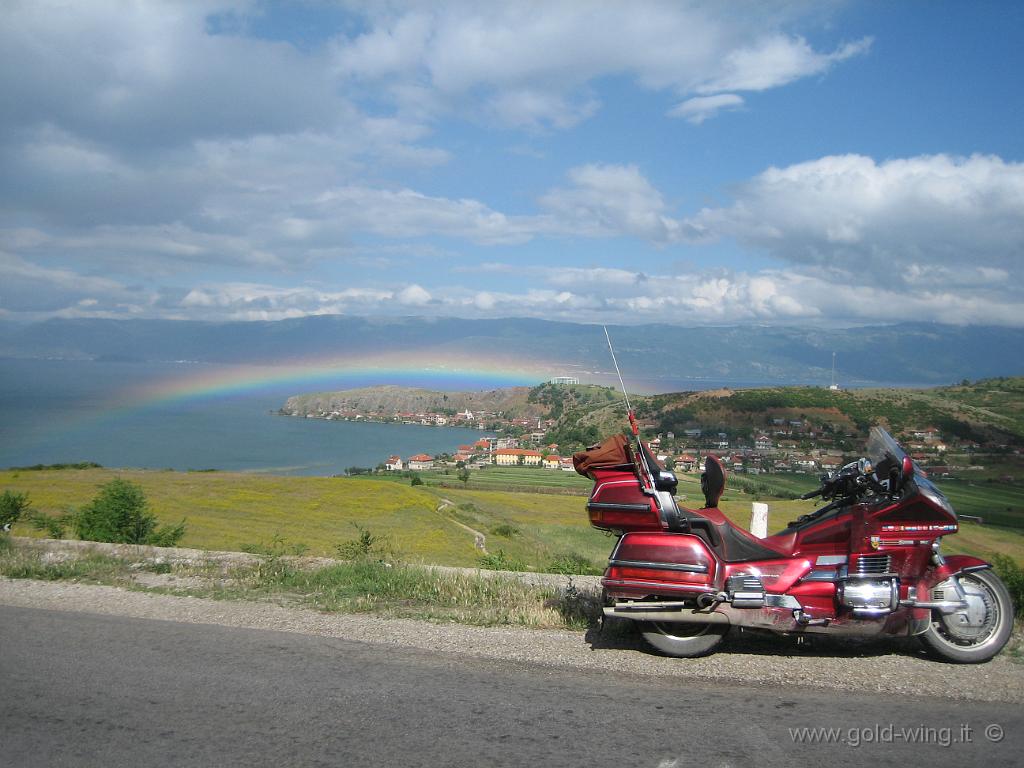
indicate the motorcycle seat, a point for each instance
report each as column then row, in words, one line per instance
column 735, row 544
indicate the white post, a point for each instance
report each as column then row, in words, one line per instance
column 759, row 519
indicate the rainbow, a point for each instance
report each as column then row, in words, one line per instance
column 427, row 368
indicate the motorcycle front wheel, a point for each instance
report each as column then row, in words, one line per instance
column 951, row 638
column 683, row 641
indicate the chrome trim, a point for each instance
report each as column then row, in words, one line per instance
column 665, row 500
column 655, row 585
column 684, row 567
column 684, row 616
column 862, row 576
column 821, row 575
column 973, row 568
column 945, row 606
column 872, row 565
column 868, row 603
column 873, row 612
column 830, row 560
column 610, row 505
column 782, row 601
column 644, row 606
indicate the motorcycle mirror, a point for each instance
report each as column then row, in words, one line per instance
column 907, row 470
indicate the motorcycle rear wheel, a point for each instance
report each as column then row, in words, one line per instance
column 949, row 641
column 683, row 641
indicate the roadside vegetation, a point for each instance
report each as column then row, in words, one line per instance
column 363, row 585
column 427, row 524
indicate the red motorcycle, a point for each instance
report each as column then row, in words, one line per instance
column 866, row 564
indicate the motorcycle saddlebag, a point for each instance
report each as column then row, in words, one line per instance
column 660, row 563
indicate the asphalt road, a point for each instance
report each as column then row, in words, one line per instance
column 80, row 689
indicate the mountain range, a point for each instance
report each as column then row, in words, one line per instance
column 910, row 353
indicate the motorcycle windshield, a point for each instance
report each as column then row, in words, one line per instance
column 882, row 449
column 882, row 446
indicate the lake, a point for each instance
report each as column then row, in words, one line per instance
column 187, row 415
column 155, row 415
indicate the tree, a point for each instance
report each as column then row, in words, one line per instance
column 12, row 506
column 119, row 514
column 464, row 474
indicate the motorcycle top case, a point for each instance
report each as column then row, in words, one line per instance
column 664, row 563
column 617, row 502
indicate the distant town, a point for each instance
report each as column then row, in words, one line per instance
column 786, row 446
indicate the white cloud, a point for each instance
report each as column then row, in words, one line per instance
column 413, row 296
column 407, row 213
column 31, row 290
column 894, row 221
column 700, row 108
column 531, row 63
column 775, row 60
column 251, row 301
column 611, row 200
column 536, row 109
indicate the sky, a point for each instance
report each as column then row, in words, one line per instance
column 789, row 163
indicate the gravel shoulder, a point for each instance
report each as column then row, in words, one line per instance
column 878, row 667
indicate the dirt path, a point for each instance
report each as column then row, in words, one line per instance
column 479, row 539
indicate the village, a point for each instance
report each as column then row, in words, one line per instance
column 773, row 443
column 788, row 446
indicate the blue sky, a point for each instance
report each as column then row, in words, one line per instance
column 799, row 163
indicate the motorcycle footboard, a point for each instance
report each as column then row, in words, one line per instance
column 642, row 564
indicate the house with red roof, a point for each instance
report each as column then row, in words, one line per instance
column 510, row 457
column 421, row 461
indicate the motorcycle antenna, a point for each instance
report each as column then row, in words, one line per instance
column 629, row 408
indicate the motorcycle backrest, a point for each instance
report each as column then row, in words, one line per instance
column 712, row 481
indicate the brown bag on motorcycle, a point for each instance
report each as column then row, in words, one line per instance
column 613, row 451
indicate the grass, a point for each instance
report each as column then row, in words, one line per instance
column 542, row 532
column 361, row 586
column 495, row 478
column 16, row 563
column 230, row 511
column 997, row 503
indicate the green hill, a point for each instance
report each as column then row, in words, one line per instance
column 987, row 412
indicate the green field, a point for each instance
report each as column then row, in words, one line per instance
column 997, row 503
column 230, row 511
column 429, row 524
column 503, row 479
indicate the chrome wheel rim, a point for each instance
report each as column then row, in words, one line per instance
column 971, row 637
column 673, row 630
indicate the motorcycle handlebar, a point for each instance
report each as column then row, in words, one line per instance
column 812, row 494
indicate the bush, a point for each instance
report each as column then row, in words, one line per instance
column 119, row 514
column 499, row 561
column 366, row 546
column 572, row 563
column 505, row 530
column 416, row 480
column 55, row 527
column 12, row 506
column 1013, row 577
